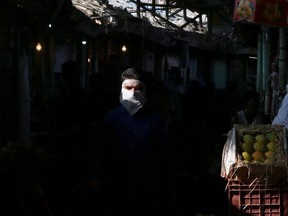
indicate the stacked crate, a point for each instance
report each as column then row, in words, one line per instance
column 257, row 199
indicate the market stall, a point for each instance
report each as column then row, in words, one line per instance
column 254, row 162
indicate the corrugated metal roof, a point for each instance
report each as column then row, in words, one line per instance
column 97, row 17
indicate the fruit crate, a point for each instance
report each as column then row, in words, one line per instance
column 257, row 199
column 263, row 170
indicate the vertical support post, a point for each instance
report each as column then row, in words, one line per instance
column 266, row 68
column 259, row 85
column 282, row 64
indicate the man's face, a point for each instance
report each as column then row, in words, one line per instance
column 132, row 89
column 132, row 85
column 252, row 105
column 133, row 95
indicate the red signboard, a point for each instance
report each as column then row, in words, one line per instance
column 265, row 12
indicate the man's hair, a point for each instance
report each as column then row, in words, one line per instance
column 138, row 74
column 249, row 95
column 135, row 73
column 132, row 73
column 70, row 70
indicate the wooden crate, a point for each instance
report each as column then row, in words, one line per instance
column 273, row 172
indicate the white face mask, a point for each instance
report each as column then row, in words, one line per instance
column 133, row 95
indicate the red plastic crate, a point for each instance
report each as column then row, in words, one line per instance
column 257, row 199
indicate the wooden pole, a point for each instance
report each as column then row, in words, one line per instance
column 266, row 68
column 282, row 63
column 259, row 85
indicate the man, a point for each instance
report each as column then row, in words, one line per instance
column 135, row 155
column 250, row 114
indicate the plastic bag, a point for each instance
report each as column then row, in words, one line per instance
column 229, row 155
column 282, row 116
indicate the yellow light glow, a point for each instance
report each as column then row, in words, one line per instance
column 38, row 47
column 124, row 49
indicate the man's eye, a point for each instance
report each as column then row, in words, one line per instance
column 128, row 87
column 140, row 87
column 136, row 88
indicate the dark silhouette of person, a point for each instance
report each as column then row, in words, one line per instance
column 135, row 170
column 71, row 135
column 70, row 103
column 101, row 99
column 251, row 113
column 195, row 122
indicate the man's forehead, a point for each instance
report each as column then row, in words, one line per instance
column 132, row 82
